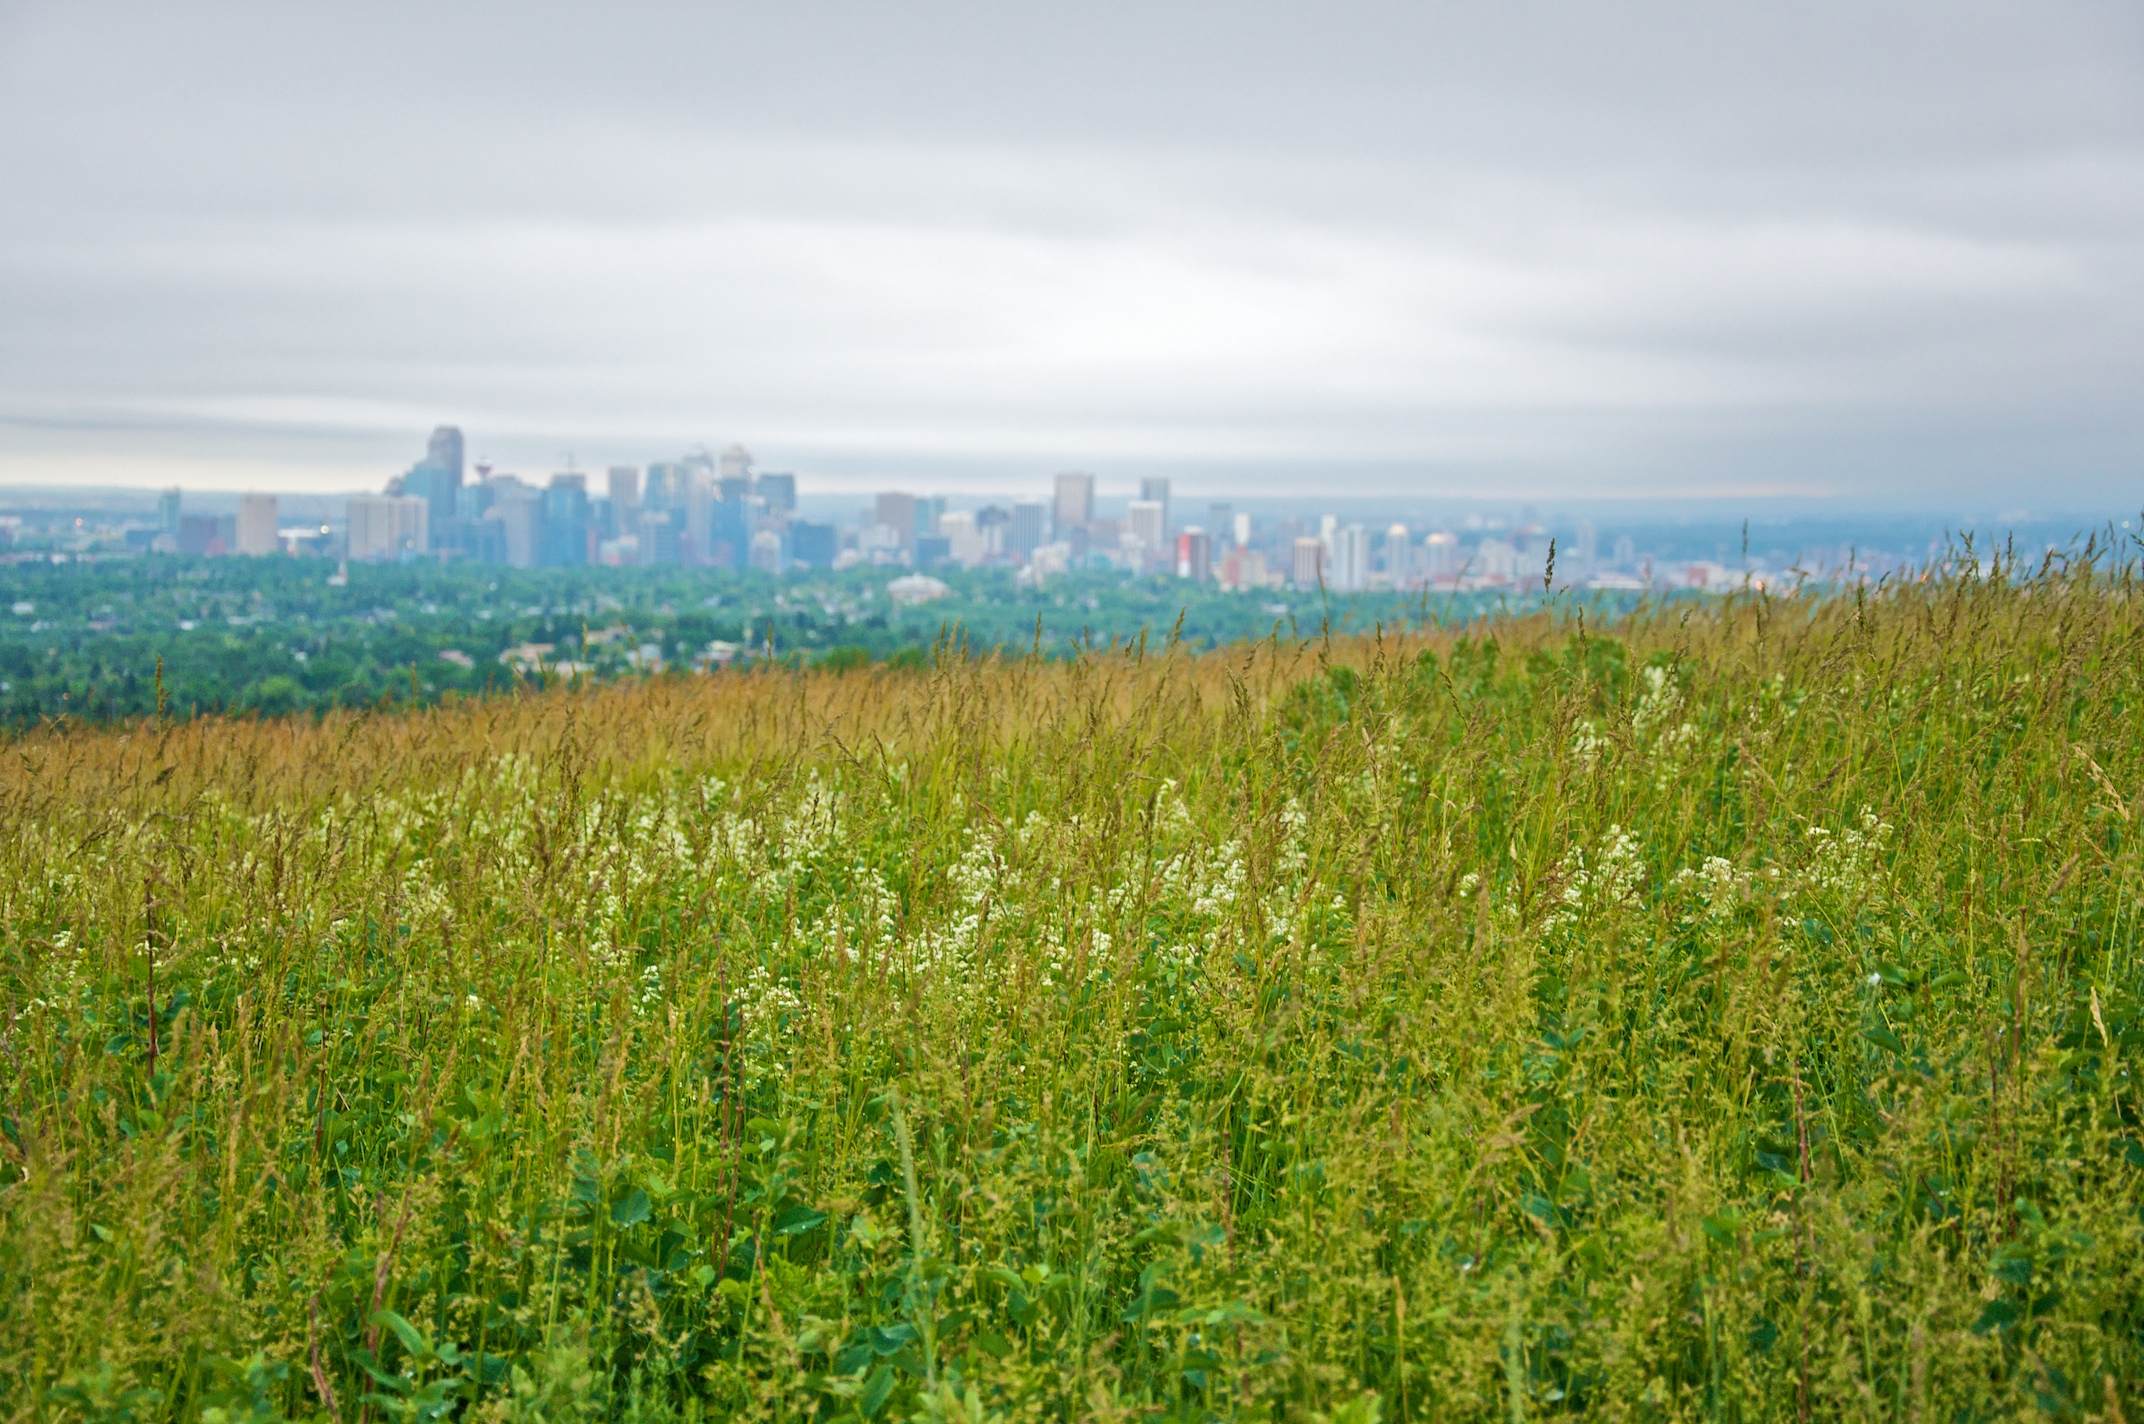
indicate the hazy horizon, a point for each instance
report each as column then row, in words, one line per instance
column 1886, row 257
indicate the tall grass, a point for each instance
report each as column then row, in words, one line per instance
column 1730, row 1013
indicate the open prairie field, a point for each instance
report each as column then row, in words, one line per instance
column 1733, row 1012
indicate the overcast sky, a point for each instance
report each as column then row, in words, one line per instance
column 1860, row 250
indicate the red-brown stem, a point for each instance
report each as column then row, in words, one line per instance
column 320, row 1377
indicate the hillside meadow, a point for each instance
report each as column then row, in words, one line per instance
column 1727, row 1012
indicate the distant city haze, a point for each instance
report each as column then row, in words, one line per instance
column 1877, row 254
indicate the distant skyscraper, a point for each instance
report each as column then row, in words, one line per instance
column 1158, row 491
column 780, row 493
column 1309, row 562
column 1149, row 521
column 658, row 536
column 167, row 511
column 256, row 524
column 565, row 521
column 1194, row 555
column 1350, row 559
column 1589, row 549
column 1440, row 554
column 666, row 485
column 1398, row 553
column 621, row 515
column 1626, row 552
column 519, row 512
column 1220, row 522
column 1075, row 502
column 737, row 465
column 1243, row 529
column 1029, row 530
column 897, row 511
column 444, row 449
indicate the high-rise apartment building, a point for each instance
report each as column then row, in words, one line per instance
column 1440, row 554
column 1309, row 568
column 1148, row 520
column 388, row 526
column 1397, row 556
column 1075, row 502
column 1157, row 490
column 256, row 524
column 1350, row 568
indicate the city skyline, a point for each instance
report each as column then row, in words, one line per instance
column 716, row 513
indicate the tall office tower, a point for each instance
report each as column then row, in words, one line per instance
column 444, row 449
column 1589, row 549
column 1398, row 553
column 696, row 511
column 929, row 510
column 666, row 485
column 1440, row 554
column 256, row 524
column 780, row 493
column 737, row 465
column 167, row 512
column 1029, row 529
column 1075, row 502
column 519, row 512
column 1157, row 490
column 622, row 508
column 1243, row 529
column 1309, row 568
column 1328, row 525
column 1149, row 521
column 897, row 511
column 1220, row 522
column 1350, row 569
column 566, row 524
column 658, row 536
column 387, row 526
column 1194, row 555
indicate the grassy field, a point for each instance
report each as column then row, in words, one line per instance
column 1727, row 1014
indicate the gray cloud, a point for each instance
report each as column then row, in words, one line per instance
column 1885, row 250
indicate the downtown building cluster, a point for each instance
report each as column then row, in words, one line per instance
column 720, row 512
column 700, row 511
